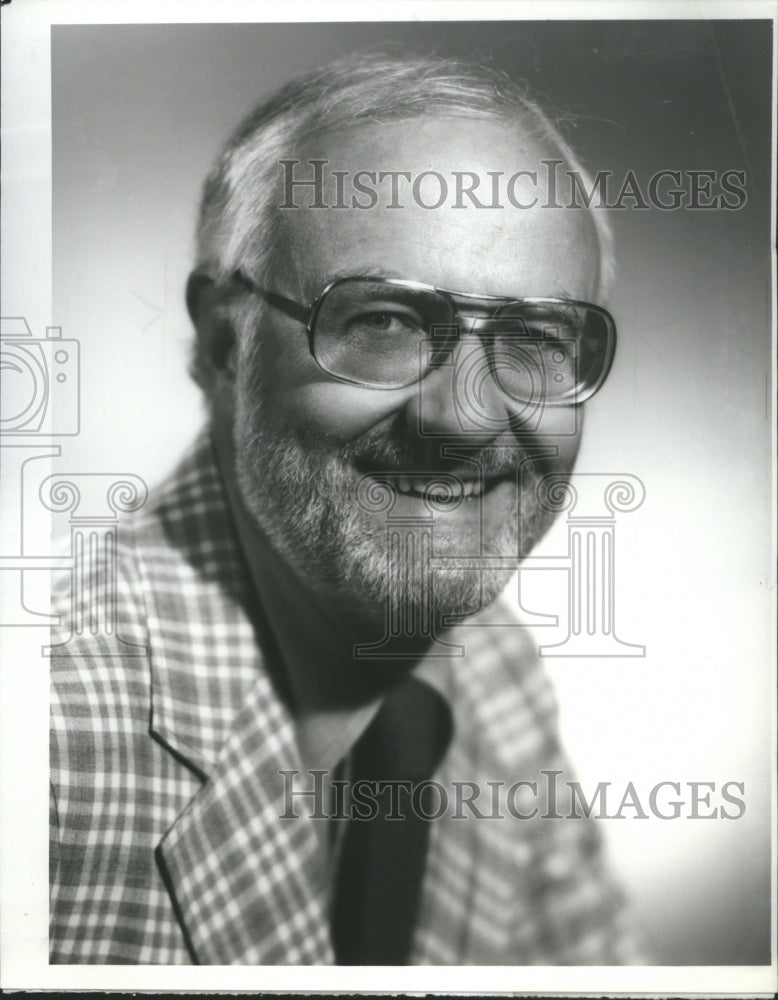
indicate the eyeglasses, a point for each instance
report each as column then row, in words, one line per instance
column 387, row 333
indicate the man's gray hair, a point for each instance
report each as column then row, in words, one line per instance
column 237, row 211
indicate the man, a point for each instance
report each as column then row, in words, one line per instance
column 310, row 639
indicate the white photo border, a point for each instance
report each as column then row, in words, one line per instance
column 26, row 279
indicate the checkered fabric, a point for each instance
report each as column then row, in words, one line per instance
column 167, row 742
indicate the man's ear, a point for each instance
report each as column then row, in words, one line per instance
column 215, row 335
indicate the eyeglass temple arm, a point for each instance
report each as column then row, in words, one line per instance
column 288, row 306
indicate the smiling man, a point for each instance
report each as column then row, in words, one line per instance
column 315, row 739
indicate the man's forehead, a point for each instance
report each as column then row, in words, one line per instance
column 431, row 199
column 453, row 142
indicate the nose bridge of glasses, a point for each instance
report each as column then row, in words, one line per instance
column 482, row 315
column 478, row 324
column 486, row 326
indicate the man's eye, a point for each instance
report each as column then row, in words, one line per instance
column 378, row 321
column 385, row 323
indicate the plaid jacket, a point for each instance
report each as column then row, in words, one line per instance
column 167, row 742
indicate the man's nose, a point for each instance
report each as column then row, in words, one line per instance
column 459, row 397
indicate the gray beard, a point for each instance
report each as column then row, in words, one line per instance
column 303, row 495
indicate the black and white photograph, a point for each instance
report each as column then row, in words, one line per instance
column 388, row 473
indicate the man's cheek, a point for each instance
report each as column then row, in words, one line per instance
column 339, row 411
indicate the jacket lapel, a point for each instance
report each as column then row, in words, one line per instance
column 246, row 886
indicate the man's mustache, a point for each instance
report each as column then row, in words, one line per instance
column 398, row 448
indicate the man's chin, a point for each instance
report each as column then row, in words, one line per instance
column 439, row 596
column 465, row 593
column 420, row 560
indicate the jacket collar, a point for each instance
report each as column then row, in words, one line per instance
column 206, row 637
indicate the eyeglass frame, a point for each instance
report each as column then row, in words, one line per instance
column 307, row 315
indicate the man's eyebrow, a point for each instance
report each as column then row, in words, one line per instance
column 562, row 293
column 363, row 272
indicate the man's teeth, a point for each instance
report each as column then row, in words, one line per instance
column 431, row 487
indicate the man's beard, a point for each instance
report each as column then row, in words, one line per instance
column 312, row 502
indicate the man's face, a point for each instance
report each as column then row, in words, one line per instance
column 305, row 441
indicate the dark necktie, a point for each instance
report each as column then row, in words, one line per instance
column 382, row 860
